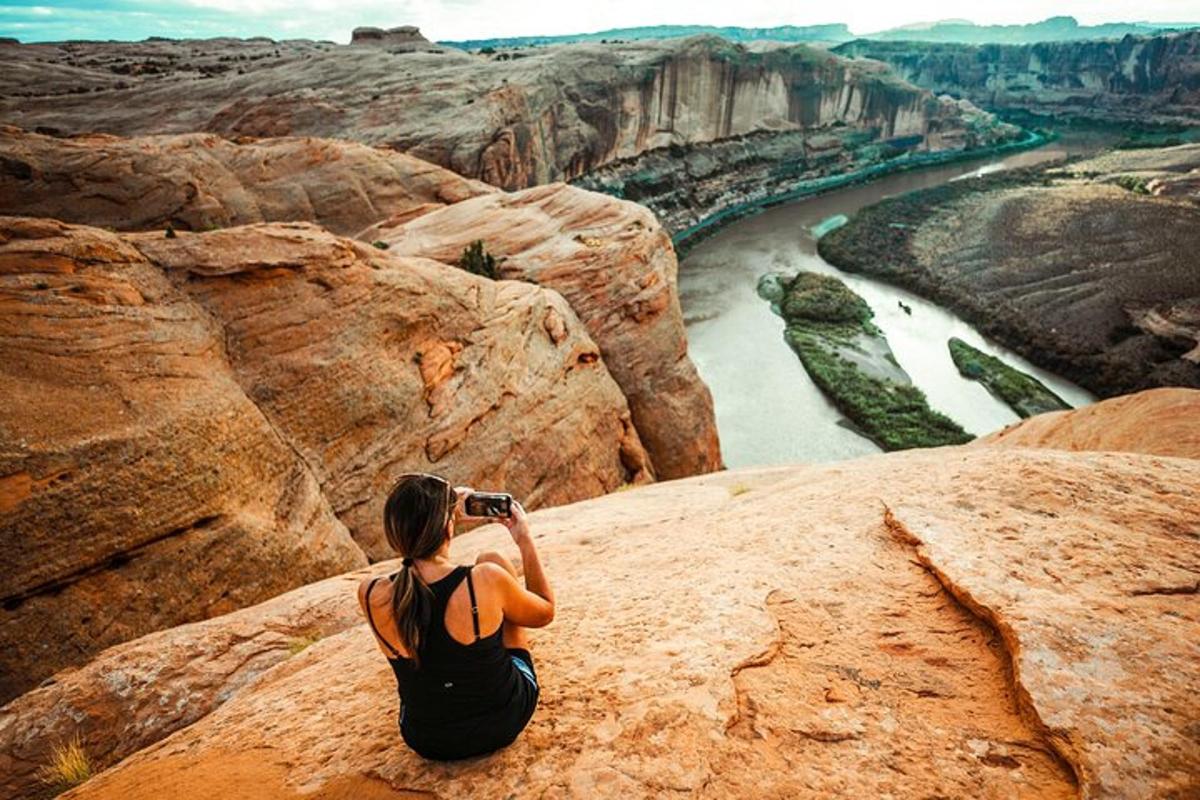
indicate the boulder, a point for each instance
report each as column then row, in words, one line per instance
column 140, row 487
column 1158, row 421
column 615, row 265
column 203, row 181
column 844, row 629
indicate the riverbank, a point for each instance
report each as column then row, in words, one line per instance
column 1083, row 277
column 696, row 189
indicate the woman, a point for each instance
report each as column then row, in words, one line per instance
column 455, row 635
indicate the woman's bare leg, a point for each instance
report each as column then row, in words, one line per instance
column 513, row 635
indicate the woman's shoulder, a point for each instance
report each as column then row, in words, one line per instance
column 372, row 587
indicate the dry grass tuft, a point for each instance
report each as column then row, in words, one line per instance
column 69, row 766
column 738, row 489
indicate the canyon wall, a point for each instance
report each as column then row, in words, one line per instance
column 527, row 118
column 1137, row 79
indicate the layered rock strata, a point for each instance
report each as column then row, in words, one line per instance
column 188, row 414
column 202, row 181
column 861, row 646
column 139, row 486
column 1139, row 79
column 610, row 259
column 1115, row 311
column 550, row 114
column 614, row 264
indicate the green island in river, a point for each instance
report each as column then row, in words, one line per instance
column 1023, row 393
column 830, row 329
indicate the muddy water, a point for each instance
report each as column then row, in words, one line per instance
column 768, row 409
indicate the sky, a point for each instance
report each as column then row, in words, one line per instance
column 52, row 20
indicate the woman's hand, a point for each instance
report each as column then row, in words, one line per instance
column 460, row 498
column 517, row 524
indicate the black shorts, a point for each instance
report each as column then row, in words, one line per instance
column 481, row 736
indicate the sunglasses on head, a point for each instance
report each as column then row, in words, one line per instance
column 449, row 489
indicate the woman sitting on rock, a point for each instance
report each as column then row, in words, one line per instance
column 453, row 634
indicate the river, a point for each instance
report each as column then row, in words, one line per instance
column 768, row 410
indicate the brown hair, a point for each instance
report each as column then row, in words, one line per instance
column 415, row 519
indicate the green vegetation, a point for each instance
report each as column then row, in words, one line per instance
column 478, row 261
column 69, row 766
column 1133, row 183
column 830, row 329
column 380, row 244
column 170, row 231
column 298, row 644
column 1024, row 393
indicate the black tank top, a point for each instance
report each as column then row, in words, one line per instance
column 459, row 689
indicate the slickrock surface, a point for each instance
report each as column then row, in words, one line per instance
column 139, row 487
column 789, row 632
column 513, row 120
column 203, row 181
column 185, row 416
column 614, row 264
column 1164, row 422
column 1116, row 310
column 372, row 365
column 136, row 693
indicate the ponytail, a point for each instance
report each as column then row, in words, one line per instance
column 412, row 607
column 415, row 519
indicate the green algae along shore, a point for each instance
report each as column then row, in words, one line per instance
column 830, row 329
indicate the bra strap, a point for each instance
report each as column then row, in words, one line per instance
column 371, row 621
column 474, row 606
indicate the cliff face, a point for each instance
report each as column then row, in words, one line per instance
column 805, row 619
column 610, row 259
column 1140, row 79
column 550, row 114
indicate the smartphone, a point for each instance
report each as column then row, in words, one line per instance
column 488, row 504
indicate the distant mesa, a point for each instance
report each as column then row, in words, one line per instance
column 407, row 37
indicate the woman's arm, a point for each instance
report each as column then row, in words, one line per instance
column 533, row 606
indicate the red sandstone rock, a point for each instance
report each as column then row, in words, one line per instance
column 371, row 364
column 139, row 487
column 1164, row 422
column 801, row 640
column 203, row 181
column 614, row 264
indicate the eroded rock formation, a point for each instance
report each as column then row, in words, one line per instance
column 400, row 39
column 610, row 259
column 202, row 181
column 545, row 115
column 614, row 264
column 186, row 414
column 141, row 487
column 860, row 646
column 1136, row 78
